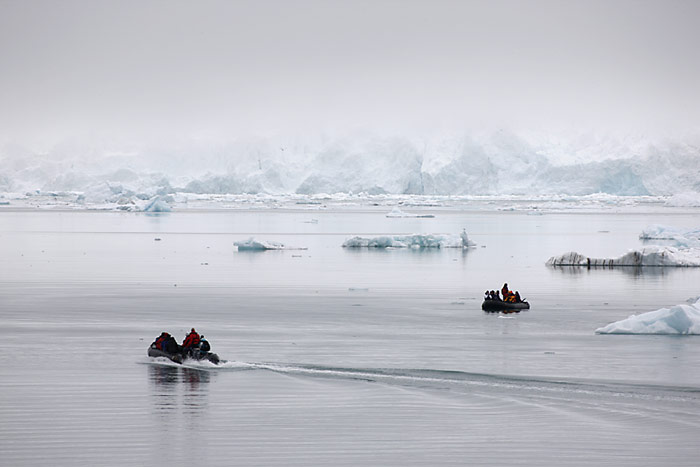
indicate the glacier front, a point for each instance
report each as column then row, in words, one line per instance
column 447, row 164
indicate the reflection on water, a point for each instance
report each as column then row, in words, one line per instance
column 179, row 409
column 171, row 376
column 633, row 271
column 178, row 388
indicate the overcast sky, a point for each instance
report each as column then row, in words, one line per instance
column 232, row 67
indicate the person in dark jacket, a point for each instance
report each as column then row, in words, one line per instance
column 204, row 344
column 166, row 343
column 505, row 291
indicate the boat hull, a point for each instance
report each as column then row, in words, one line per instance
column 179, row 358
column 175, row 357
column 201, row 355
column 500, row 305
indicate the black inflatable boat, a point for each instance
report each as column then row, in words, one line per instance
column 195, row 354
column 500, row 305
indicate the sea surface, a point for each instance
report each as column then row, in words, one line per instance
column 338, row 356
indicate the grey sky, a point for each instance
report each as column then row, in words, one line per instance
column 233, row 67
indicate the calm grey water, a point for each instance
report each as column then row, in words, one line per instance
column 337, row 356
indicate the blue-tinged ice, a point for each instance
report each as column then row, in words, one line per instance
column 157, row 204
column 680, row 319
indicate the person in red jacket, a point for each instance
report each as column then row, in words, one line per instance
column 191, row 341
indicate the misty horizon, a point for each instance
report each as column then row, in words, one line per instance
column 135, row 71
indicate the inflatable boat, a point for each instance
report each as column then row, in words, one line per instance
column 194, row 354
column 500, row 305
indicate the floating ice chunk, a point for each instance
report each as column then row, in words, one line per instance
column 257, row 245
column 157, row 204
column 396, row 212
column 680, row 319
column 466, row 243
column 654, row 256
column 409, row 241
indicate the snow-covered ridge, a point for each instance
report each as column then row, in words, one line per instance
column 680, row 319
column 495, row 163
column 653, row 256
column 410, row 241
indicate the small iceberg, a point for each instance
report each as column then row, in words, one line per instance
column 680, row 319
column 257, row 245
column 656, row 256
column 396, row 212
column 157, row 204
column 253, row 244
column 411, row 241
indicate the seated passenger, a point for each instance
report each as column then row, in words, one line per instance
column 160, row 340
column 505, row 290
column 191, row 341
column 171, row 345
column 487, row 296
column 517, row 297
column 166, row 343
column 498, row 297
column 204, row 344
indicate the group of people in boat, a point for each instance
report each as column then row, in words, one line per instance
column 507, row 295
column 193, row 342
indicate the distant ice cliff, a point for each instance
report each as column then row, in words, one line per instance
column 494, row 163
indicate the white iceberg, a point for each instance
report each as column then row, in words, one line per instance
column 410, row 241
column 396, row 212
column 257, row 245
column 655, row 256
column 680, row 319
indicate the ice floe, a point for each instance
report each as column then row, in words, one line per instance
column 653, row 256
column 410, row 241
column 253, row 244
column 396, row 212
column 680, row 319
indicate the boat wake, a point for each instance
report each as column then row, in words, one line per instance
column 460, row 381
